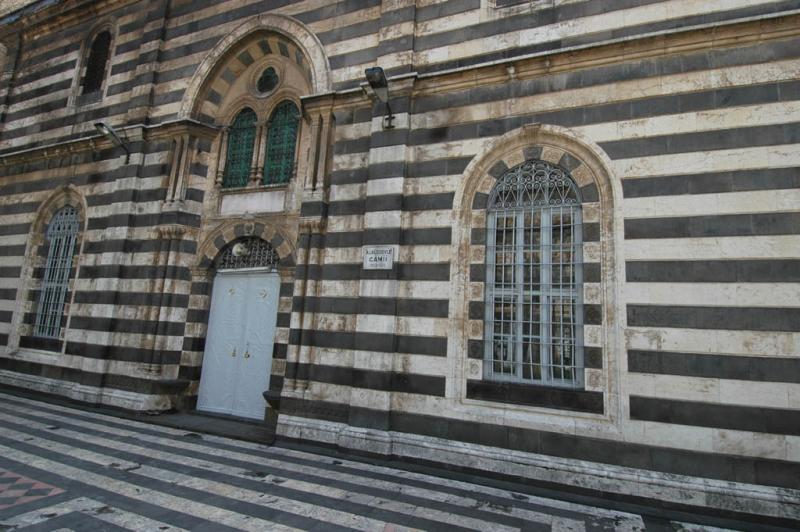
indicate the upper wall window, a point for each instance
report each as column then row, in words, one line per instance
column 533, row 321
column 241, row 136
column 267, row 81
column 281, row 140
column 61, row 236
column 97, row 63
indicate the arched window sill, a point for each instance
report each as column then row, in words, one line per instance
column 89, row 99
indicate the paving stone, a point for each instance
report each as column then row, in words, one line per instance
column 120, row 474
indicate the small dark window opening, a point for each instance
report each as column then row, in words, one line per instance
column 96, row 63
column 268, row 81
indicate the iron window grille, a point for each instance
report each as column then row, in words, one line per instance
column 533, row 315
column 62, row 235
column 250, row 252
column 241, row 137
column 96, row 63
column 281, row 142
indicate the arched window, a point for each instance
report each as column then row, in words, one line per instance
column 533, row 321
column 96, row 63
column 249, row 252
column 281, row 141
column 61, row 236
column 241, row 136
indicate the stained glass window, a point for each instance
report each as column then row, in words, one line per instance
column 533, row 319
column 281, row 141
column 241, row 137
column 62, row 234
column 96, row 63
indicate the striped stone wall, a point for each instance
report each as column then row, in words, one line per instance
column 693, row 135
column 157, row 49
column 684, row 114
column 130, row 282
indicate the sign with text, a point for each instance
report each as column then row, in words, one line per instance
column 378, row 257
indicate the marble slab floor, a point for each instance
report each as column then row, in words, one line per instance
column 62, row 468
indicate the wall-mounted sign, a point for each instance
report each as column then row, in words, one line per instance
column 378, row 257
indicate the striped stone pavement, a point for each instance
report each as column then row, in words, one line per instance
column 90, row 471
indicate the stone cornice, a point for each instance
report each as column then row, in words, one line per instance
column 684, row 40
column 677, row 41
column 131, row 133
column 56, row 15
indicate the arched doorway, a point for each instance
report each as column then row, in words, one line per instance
column 241, row 330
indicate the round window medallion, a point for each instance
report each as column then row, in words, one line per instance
column 267, row 81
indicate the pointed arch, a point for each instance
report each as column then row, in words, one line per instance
column 221, row 238
column 97, row 62
column 282, row 130
column 312, row 57
column 67, row 196
column 60, row 198
column 241, row 143
column 94, row 66
column 603, row 268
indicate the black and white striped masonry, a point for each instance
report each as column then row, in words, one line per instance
column 107, row 473
column 678, row 119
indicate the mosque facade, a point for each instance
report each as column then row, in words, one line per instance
column 547, row 240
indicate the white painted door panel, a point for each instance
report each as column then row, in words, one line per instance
column 222, row 352
column 238, row 355
column 259, row 337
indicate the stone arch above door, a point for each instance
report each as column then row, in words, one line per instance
column 220, row 238
column 203, row 275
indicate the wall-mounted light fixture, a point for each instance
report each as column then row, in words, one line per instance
column 108, row 131
column 380, row 86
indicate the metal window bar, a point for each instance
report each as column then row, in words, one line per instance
column 62, row 235
column 249, row 252
column 241, row 137
column 281, row 143
column 534, row 329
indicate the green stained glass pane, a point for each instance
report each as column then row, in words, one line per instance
column 241, row 136
column 281, row 140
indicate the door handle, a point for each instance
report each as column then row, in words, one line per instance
column 247, row 354
column 233, row 353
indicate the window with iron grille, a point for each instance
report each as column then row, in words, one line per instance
column 533, row 321
column 281, row 140
column 96, row 63
column 251, row 252
column 62, row 235
column 241, row 136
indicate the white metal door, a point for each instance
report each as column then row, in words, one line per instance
column 225, row 327
column 255, row 365
column 238, row 356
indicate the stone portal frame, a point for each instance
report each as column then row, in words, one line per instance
column 599, row 401
column 34, row 261
column 203, row 274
